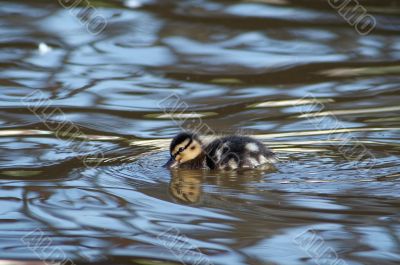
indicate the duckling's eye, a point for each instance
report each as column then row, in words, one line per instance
column 181, row 150
column 193, row 147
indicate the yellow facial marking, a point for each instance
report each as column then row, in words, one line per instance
column 190, row 153
column 181, row 145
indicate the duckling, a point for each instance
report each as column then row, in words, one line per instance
column 191, row 151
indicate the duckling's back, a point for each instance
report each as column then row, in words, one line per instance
column 233, row 152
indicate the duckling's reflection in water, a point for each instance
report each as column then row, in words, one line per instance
column 186, row 185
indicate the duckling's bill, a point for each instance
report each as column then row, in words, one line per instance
column 172, row 163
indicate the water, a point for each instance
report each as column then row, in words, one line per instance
column 80, row 161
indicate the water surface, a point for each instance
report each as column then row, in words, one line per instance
column 85, row 122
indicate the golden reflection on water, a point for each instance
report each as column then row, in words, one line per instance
column 292, row 102
column 186, row 185
column 350, row 112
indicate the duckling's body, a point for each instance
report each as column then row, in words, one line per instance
column 230, row 152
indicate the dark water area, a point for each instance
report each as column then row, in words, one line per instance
column 86, row 116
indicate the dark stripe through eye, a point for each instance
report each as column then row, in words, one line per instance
column 180, row 150
column 187, row 144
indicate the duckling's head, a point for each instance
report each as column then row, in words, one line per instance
column 184, row 147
